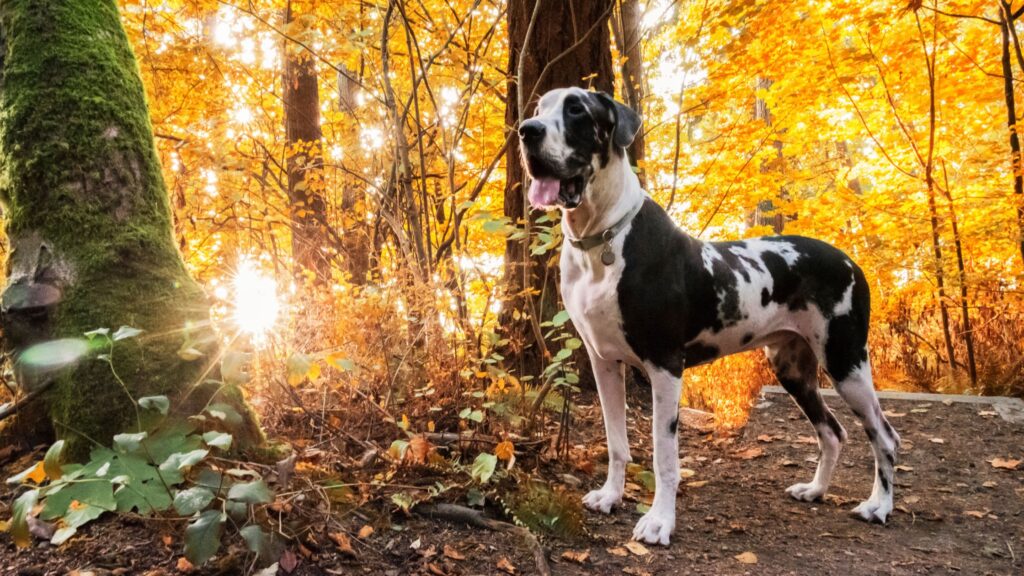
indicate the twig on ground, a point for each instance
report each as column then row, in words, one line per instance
column 476, row 519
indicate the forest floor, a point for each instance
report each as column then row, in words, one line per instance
column 956, row 511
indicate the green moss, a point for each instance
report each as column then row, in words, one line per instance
column 78, row 167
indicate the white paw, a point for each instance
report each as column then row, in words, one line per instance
column 655, row 527
column 602, row 500
column 873, row 510
column 806, row 492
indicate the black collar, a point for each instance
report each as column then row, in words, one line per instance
column 605, row 237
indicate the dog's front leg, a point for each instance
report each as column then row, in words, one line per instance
column 611, row 387
column 657, row 525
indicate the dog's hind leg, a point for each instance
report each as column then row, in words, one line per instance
column 657, row 524
column 858, row 391
column 796, row 367
column 611, row 387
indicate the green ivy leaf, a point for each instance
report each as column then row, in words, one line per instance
column 98, row 492
column 52, row 460
column 188, row 502
column 225, row 413
column 216, row 439
column 146, row 497
column 19, row 519
column 202, row 537
column 97, row 332
column 255, row 492
column 129, row 442
column 560, row 318
column 182, row 461
column 159, row 403
column 483, row 467
column 126, row 332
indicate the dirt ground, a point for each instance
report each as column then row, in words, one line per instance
column 956, row 513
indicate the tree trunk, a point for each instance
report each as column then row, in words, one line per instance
column 1005, row 22
column 305, row 162
column 531, row 285
column 628, row 36
column 89, row 222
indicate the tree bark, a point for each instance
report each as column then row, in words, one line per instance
column 531, row 285
column 89, row 222
column 1006, row 21
column 305, row 162
column 628, row 36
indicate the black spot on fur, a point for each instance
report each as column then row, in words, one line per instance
column 884, row 480
column 811, row 404
column 747, row 338
column 673, row 426
column 697, row 354
column 872, row 434
column 766, row 297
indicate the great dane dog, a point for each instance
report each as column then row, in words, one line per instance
column 642, row 292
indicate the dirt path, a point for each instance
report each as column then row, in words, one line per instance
column 956, row 512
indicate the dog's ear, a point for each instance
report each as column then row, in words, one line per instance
column 627, row 122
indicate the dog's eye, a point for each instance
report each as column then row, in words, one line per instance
column 576, row 110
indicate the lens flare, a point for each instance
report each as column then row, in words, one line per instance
column 256, row 305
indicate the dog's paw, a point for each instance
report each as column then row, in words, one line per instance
column 806, row 492
column 871, row 510
column 602, row 500
column 655, row 528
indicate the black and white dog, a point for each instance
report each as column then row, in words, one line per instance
column 642, row 292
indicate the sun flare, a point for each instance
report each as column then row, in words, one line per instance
column 256, row 303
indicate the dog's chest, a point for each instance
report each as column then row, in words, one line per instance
column 590, row 292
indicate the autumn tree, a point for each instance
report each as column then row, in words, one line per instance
column 90, row 228
column 551, row 45
column 304, row 158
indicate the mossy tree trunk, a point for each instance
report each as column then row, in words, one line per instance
column 88, row 218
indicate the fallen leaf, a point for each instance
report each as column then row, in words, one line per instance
column 686, row 473
column 766, row 438
column 749, row 453
column 344, row 543
column 436, row 570
column 1004, row 463
column 789, row 463
column 505, row 566
column 184, row 566
column 618, row 551
column 697, row 483
column 912, row 499
column 747, row 558
column 637, row 548
column 505, row 450
column 634, row 571
column 891, row 414
column 40, row 529
column 577, row 557
column 167, row 539
column 975, row 513
column 806, row 440
column 990, row 484
column 288, row 561
column 365, row 532
column 416, row 544
column 936, row 440
column 919, row 410
column 452, row 553
column 419, row 449
column 904, row 468
column 988, row 413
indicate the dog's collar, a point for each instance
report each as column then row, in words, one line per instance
column 605, row 237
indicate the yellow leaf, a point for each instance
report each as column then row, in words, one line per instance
column 747, row 558
column 504, row 450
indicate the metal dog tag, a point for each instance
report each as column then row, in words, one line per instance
column 607, row 256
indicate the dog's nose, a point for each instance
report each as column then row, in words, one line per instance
column 531, row 132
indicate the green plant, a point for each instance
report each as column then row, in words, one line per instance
column 168, row 462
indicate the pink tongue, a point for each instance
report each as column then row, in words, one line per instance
column 544, row 192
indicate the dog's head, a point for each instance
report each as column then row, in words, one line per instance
column 570, row 137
